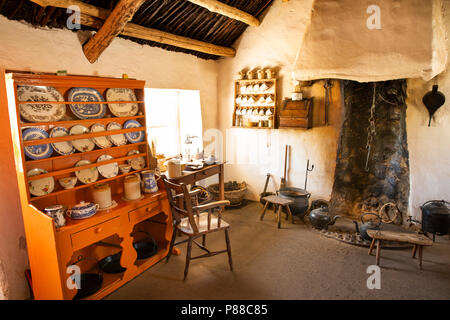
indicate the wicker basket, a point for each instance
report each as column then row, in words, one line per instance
column 235, row 197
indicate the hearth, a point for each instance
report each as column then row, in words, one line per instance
column 372, row 165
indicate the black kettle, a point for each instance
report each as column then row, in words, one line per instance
column 370, row 225
column 320, row 219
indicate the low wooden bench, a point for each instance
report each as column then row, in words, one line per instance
column 279, row 203
column 418, row 240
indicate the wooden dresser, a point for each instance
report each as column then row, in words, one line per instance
column 52, row 250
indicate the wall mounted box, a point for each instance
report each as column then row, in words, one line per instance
column 296, row 114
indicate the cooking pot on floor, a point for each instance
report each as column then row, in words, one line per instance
column 300, row 198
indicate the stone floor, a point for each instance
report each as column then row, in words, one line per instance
column 294, row 262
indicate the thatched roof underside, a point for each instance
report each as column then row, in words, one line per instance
column 179, row 17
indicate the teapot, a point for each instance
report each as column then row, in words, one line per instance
column 320, row 219
column 370, row 225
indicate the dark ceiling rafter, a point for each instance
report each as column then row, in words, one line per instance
column 178, row 17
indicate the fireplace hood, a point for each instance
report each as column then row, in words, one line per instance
column 373, row 40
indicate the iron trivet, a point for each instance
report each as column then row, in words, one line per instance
column 356, row 240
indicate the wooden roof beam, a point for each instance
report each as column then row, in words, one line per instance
column 123, row 12
column 92, row 16
column 228, row 11
column 140, row 32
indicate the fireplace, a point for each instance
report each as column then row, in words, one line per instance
column 364, row 183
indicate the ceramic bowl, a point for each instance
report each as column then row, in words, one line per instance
column 124, row 168
column 68, row 183
column 83, row 210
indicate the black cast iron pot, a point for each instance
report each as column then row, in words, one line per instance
column 300, row 198
column 436, row 217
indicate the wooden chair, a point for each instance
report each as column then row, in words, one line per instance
column 195, row 221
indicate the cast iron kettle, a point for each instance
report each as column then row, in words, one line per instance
column 320, row 219
column 433, row 100
column 370, row 225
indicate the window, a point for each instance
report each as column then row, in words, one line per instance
column 174, row 121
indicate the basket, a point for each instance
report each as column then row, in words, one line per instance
column 235, row 196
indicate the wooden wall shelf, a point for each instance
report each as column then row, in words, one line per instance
column 246, row 121
column 50, row 249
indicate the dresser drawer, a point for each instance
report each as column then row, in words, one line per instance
column 96, row 233
column 145, row 212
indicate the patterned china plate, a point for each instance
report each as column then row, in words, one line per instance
column 82, row 145
column 122, row 109
column 86, row 175
column 40, row 187
column 65, row 147
column 136, row 163
column 87, row 111
column 40, row 112
column 116, row 139
column 136, row 136
column 101, row 142
column 40, row 151
column 108, row 170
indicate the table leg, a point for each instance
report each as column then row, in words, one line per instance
column 420, row 257
column 414, row 251
column 264, row 211
column 372, row 244
column 279, row 216
column 221, row 183
column 378, row 252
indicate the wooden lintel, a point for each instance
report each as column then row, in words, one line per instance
column 92, row 16
column 228, row 11
column 113, row 26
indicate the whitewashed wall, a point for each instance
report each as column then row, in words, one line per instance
column 275, row 43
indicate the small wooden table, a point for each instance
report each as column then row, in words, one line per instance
column 280, row 202
column 190, row 177
column 418, row 240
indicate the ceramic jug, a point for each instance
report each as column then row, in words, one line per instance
column 149, row 178
column 56, row 212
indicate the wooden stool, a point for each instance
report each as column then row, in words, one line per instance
column 418, row 240
column 278, row 202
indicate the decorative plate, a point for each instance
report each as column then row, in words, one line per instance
column 65, row 147
column 87, row 111
column 40, row 112
column 81, row 145
column 116, row 139
column 40, row 151
column 122, row 109
column 86, row 175
column 108, row 170
column 40, row 187
column 101, row 142
column 136, row 136
column 136, row 163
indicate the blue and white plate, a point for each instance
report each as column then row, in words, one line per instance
column 136, row 136
column 65, row 147
column 40, row 151
column 87, row 111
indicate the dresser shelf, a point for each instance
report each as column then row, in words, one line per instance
column 52, row 249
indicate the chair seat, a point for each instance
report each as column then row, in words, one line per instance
column 202, row 224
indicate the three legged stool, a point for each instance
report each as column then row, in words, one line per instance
column 279, row 203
